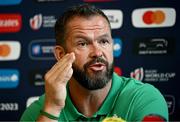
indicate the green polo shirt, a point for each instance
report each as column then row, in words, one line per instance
column 128, row 98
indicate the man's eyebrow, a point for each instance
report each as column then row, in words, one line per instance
column 89, row 39
column 80, row 36
column 83, row 37
column 103, row 36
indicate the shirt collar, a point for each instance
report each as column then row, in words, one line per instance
column 71, row 113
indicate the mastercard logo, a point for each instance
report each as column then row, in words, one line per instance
column 154, row 17
column 9, row 50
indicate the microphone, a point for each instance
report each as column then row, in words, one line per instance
column 154, row 118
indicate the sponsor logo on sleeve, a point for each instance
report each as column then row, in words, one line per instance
column 10, row 2
column 9, row 50
column 152, row 75
column 117, row 47
column 42, row 49
column 10, row 23
column 115, row 17
column 9, row 78
column 154, row 46
column 153, row 17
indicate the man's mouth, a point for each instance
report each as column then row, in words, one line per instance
column 97, row 66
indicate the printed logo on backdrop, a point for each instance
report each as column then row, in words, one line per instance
column 99, row 0
column 31, row 100
column 118, row 70
column 41, row 1
column 42, row 49
column 9, row 106
column 138, row 74
column 10, row 2
column 152, row 75
column 39, row 20
column 9, row 78
column 154, row 46
column 9, row 50
column 36, row 77
column 117, row 48
column 153, row 17
column 115, row 17
column 10, row 23
column 170, row 99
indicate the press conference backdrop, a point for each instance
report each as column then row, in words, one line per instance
column 146, row 47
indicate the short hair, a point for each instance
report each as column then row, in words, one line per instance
column 83, row 10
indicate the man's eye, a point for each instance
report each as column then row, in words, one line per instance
column 104, row 41
column 82, row 44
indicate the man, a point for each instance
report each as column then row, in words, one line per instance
column 81, row 86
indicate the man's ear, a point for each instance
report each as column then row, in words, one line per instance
column 59, row 52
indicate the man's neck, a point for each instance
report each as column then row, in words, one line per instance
column 86, row 101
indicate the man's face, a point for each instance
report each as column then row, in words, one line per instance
column 90, row 39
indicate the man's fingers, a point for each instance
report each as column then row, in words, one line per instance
column 63, row 64
column 60, row 65
column 60, row 62
column 65, row 75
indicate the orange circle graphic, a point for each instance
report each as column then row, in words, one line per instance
column 158, row 17
column 5, row 50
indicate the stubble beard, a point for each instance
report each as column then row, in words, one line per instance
column 96, row 79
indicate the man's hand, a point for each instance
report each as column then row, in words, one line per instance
column 55, row 84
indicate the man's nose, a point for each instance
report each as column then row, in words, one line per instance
column 96, row 51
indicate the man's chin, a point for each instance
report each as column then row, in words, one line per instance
column 96, row 74
column 92, row 79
